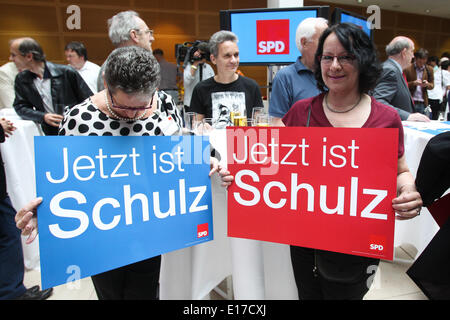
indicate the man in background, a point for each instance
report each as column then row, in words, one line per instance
column 170, row 75
column 392, row 88
column 420, row 78
column 296, row 81
column 127, row 29
column 43, row 89
column 76, row 56
column 195, row 70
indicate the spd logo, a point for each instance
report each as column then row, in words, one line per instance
column 272, row 36
column 377, row 243
column 202, row 230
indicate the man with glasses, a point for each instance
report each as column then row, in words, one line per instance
column 44, row 89
column 76, row 56
column 296, row 81
column 127, row 29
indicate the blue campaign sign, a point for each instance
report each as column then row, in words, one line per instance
column 112, row 201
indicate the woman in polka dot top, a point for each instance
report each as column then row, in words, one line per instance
column 130, row 105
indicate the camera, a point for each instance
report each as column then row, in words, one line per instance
column 185, row 52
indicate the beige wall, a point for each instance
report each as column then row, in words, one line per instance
column 173, row 22
column 176, row 22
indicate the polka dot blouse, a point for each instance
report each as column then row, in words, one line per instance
column 85, row 119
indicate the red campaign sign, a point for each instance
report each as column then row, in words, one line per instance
column 322, row 188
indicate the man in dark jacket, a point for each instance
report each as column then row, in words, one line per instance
column 43, row 89
column 392, row 89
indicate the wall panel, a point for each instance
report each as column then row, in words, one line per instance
column 173, row 22
column 22, row 19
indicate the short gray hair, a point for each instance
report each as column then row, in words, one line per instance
column 120, row 25
column 133, row 70
column 220, row 37
column 395, row 47
column 307, row 29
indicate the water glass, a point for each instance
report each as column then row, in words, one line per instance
column 262, row 120
column 256, row 111
column 206, row 126
column 190, row 121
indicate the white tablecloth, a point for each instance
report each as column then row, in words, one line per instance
column 18, row 157
column 191, row 273
column 260, row 270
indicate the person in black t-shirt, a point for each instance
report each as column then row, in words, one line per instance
column 227, row 91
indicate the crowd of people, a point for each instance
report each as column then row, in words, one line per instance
column 337, row 81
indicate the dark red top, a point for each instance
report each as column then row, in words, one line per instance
column 381, row 116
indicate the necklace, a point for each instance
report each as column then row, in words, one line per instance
column 119, row 117
column 336, row 111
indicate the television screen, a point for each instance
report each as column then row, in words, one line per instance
column 340, row 15
column 267, row 36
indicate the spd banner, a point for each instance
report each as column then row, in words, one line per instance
column 322, row 188
column 112, row 201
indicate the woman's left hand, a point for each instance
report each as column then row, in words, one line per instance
column 214, row 165
column 225, row 175
column 408, row 203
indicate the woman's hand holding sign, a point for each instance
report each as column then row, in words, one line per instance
column 408, row 203
column 26, row 219
column 226, row 176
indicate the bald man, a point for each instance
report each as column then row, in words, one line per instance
column 392, row 89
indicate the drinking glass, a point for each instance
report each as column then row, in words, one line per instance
column 240, row 121
column 206, row 126
column 256, row 111
column 190, row 121
column 239, row 118
column 262, row 120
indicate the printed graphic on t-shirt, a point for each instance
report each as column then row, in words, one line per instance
column 228, row 106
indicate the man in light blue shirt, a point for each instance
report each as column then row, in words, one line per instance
column 296, row 81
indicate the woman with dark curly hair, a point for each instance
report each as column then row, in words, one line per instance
column 346, row 69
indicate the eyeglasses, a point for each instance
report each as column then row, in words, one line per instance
column 343, row 60
column 148, row 106
column 147, row 31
